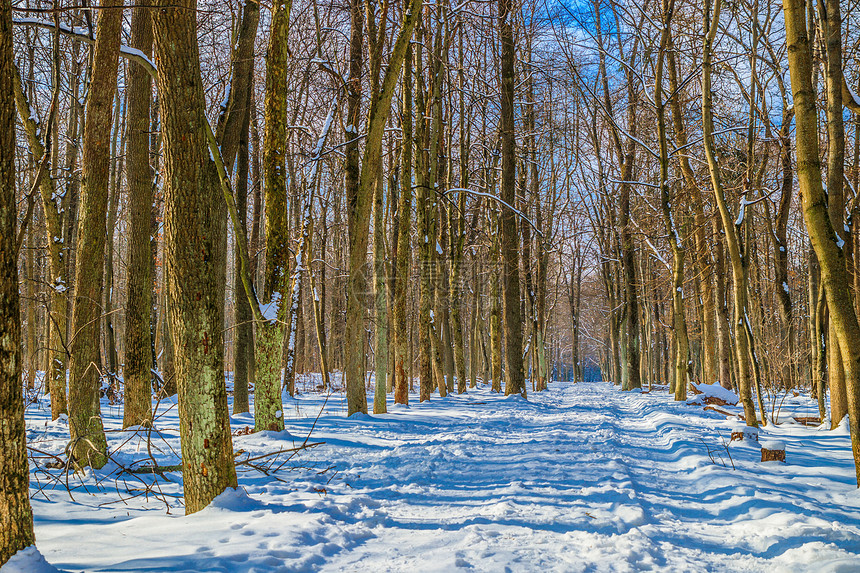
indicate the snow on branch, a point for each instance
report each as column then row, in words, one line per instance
column 498, row 199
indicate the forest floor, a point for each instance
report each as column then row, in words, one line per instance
column 580, row 478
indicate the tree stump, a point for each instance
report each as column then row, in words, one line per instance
column 773, row 452
column 744, row 433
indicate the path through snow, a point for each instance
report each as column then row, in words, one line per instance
column 580, row 478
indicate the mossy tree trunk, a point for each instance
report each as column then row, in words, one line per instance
column 138, row 347
column 826, row 242
column 742, row 341
column 16, row 516
column 404, row 231
column 191, row 220
column 268, row 407
column 58, row 350
column 679, row 318
column 85, row 424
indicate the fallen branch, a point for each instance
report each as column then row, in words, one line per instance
column 723, row 412
column 279, row 452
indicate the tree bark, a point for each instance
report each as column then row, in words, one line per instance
column 742, row 341
column 85, row 424
column 233, row 127
column 679, row 318
column 16, row 516
column 138, row 358
column 404, row 231
column 243, row 349
column 191, row 220
column 359, row 203
column 826, row 242
column 514, row 376
column 268, row 407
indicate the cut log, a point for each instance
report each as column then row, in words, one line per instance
column 746, row 433
column 772, row 451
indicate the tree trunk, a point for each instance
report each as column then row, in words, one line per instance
column 495, row 312
column 57, row 347
column 138, row 359
column 85, row 424
column 268, row 407
column 514, row 376
column 679, row 319
column 32, row 345
column 234, row 126
column 380, row 277
column 831, row 23
column 243, row 349
column 742, row 341
column 404, row 251
column 474, row 335
column 355, row 303
column 779, row 237
column 825, row 241
column 117, row 153
column 702, row 259
column 359, row 211
column 191, row 221
column 16, row 516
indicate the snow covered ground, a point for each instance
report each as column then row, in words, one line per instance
column 580, row 478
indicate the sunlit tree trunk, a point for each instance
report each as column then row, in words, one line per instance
column 679, row 320
column 85, row 424
column 16, row 516
column 191, row 219
column 359, row 203
column 514, row 375
column 138, row 354
column 742, row 343
column 268, row 407
column 404, row 231
column 826, row 242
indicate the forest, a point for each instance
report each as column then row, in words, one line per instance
column 495, row 274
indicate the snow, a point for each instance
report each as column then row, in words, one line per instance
column 28, row 560
column 134, row 52
column 79, row 30
column 851, row 92
column 270, row 309
column 839, row 242
column 582, row 477
column 59, row 285
column 741, row 211
column 714, row 391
